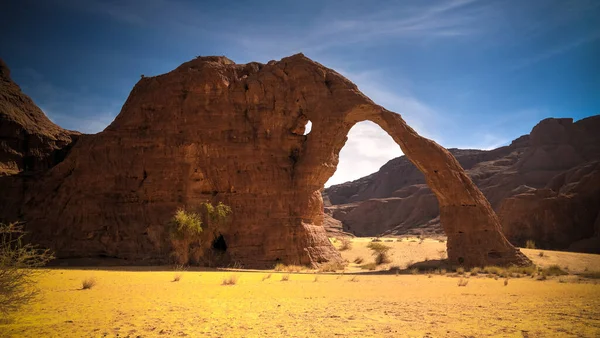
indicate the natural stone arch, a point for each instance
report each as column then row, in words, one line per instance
column 473, row 229
column 211, row 130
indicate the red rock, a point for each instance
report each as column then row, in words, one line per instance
column 215, row 131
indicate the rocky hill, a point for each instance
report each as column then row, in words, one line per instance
column 544, row 186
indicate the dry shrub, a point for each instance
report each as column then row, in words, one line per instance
column 88, row 283
column 346, row 244
column 230, row 280
column 530, row 244
column 266, row 277
column 460, row 270
column 316, row 279
column 506, row 282
column 19, row 271
column 285, row 277
column 554, row 270
column 177, row 277
column 475, row 271
column 287, row 268
column 414, row 271
column 369, row 266
column 358, row 260
column 354, row 279
column 463, row 282
column 380, row 251
column 332, row 266
column 541, row 254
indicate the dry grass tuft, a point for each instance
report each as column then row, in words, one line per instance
column 463, row 282
column 506, row 282
column 369, row 266
column 266, row 277
column 381, row 252
column 287, row 268
column 530, row 244
column 460, row 270
column 316, row 279
column 414, row 271
column 285, row 277
column 230, row 280
column 554, row 270
column 177, row 277
column 358, row 260
column 346, row 244
column 354, row 279
column 475, row 271
column 332, row 266
column 88, row 283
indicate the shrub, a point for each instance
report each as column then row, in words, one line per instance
column 288, row 268
column 380, row 251
column 530, row 244
column 369, row 266
column 358, row 260
column 354, row 279
column 414, row 271
column 316, row 279
column 266, row 277
column 463, row 282
column 524, row 270
column 554, row 270
column 332, row 266
column 460, row 270
column 541, row 254
column 88, row 283
column 346, row 244
column 185, row 224
column 177, row 277
column 475, row 271
column 506, row 282
column 230, row 280
column 591, row 274
column 18, row 268
column 285, row 278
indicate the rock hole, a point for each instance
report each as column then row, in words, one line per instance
column 246, row 88
column 308, row 127
column 219, row 244
column 461, row 260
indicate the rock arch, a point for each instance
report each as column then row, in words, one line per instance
column 212, row 130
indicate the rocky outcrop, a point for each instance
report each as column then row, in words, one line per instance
column 533, row 183
column 215, row 131
column 29, row 141
column 30, row 144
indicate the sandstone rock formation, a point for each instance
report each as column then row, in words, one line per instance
column 30, row 144
column 212, row 130
column 542, row 185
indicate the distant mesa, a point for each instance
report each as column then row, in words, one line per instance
column 212, row 130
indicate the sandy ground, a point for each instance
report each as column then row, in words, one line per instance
column 141, row 303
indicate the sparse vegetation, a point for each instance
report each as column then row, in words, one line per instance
column 287, row 268
column 332, row 266
column 232, row 279
column 316, row 279
column 358, row 260
column 460, row 270
column 475, row 271
column 529, row 244
column 18, row 268
column 369, row 266
column 346, row 244
column 414, row 271
column 354, row 279
column 285, row 277
column 381, row 252
column 88, row 283
column 266, row 277
column 506, row 282
column 554, row 270
column 463, row 282
column 541, row 254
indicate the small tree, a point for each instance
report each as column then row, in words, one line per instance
column 18, row 268
column 380, row 251
column 186, row 229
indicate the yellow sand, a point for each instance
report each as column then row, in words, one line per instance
column 148, row 304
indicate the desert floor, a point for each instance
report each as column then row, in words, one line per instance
column 145, row 302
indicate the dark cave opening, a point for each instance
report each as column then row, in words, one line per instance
column 219, row 244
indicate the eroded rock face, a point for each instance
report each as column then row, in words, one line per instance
column 533, row 184
column 215, row 131
column 30, row 144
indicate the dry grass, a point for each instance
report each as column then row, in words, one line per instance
column 346, row 244
column 232, row 279
column 88, row 283
column 358, row 260
column 463, row 282
column 332, row 266
column 287, row 268
column 285, row 277
column 265, row 277
column 354, row 279
column 176, row 277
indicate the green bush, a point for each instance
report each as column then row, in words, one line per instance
column 18, row 268
column 185, row 224
column 380, row 251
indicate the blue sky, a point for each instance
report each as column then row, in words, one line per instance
column 466, row 73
